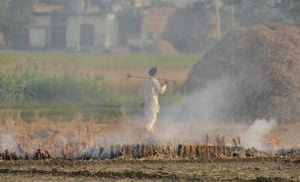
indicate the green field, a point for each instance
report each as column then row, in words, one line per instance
column 62, row 84
column 107, row 60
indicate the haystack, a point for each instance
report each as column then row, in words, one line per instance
column 261, row 66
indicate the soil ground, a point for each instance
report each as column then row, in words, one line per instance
column 274, row 169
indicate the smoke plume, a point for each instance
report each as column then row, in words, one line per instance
column 255, row 135
column 206, row 112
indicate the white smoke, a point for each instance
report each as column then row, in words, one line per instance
column 208, row 104
column 8, row 143
column 255, row 135
column 206, row 112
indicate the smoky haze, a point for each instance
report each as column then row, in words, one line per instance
column 229, row 89
column 106, row 25
column 208, row 112
column 239, row 86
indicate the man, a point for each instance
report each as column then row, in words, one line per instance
column 149, row 91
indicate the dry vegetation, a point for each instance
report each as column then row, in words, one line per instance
column 261, row 66
column 158, row 162
column 109, row 66
column 66, row 81
column 74, row 137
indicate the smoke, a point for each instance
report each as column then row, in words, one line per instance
column 255, row 135
column 206, row 112
column 208, row 104
column 213, row 103
column 8, row 143
column 197, row 120
column 75, row 139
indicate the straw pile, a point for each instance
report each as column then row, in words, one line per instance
column 144, row 151
column 261, row 67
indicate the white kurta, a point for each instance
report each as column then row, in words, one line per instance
column 149, row 91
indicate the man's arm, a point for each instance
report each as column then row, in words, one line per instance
column 160, row 89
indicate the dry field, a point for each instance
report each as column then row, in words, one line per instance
column 152, row 170
column 114, row 77
column 53, row 137
column 63, row 138
column 110, row 67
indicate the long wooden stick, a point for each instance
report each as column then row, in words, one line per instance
column 129, row 76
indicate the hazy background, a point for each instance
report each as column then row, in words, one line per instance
column 133, row 25
column 65, row 60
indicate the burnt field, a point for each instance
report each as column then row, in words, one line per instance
column 236, row 118
column 260, row 169
column 212, row 158
column 81, row 151
column 75, row 150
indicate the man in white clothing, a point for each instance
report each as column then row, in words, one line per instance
column 149, row 91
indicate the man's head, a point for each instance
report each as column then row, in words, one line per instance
column 152, row 71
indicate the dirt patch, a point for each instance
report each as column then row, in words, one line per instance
column 162, row 170
column 260, row 66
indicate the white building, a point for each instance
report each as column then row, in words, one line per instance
column 80, row 27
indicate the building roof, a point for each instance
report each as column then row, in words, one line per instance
column 46, row 8
column 41, row 8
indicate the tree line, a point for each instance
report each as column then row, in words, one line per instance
column 198, row 27
column 186, row 26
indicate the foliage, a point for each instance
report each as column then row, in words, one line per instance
column 11, row 88
column 160, row 3
column 189, row 28
column 27, row 84
column 15, row 16
column 295, row 12
column 290, row 9
column 232, row 2
column 54, row 2
column 103, row 60
column 256, row 12
column 37, row 89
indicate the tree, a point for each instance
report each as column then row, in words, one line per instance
column 3, row 14
column 232, row 4
column 256, row 12
column 54, row 2
column 199, row 26
column 189, row 29
column 290, row 9
column 15, row 16
column 295, row 12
